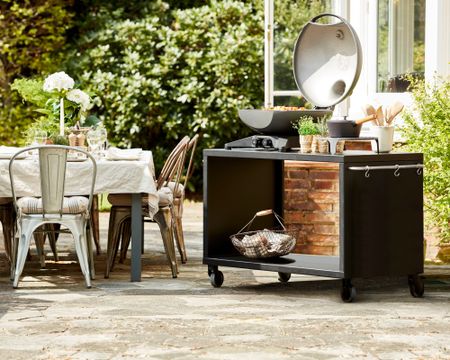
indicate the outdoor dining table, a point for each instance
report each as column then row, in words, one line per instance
column 134, row 177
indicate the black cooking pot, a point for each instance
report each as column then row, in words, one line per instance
column 341, row 128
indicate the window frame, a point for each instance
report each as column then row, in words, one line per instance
column 363, row 16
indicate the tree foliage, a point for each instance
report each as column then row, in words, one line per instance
column 168, row 74
column 427, row 130
column 32, row 39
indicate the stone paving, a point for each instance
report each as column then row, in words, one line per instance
column 253, row 316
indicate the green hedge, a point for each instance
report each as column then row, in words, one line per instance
column 170, row 74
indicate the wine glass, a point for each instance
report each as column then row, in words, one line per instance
column 103, row 137
column 40, row 137
column 93, row 138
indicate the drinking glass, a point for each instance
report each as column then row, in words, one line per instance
column 103, row 138
column 40, row 137
column 93, row 138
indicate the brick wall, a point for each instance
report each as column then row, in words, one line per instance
column 311, row 206
column 357, row 145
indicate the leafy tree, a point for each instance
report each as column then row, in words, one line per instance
column 427, row 130
column 168, row 74
column 32, row 38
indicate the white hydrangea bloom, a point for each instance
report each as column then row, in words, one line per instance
column 80, row 97
column 58, row 81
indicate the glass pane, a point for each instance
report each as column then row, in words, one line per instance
column 297, row 101
column 289, row 18
column 401, row 43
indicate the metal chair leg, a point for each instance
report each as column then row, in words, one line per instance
column 22, row 251
column 7, row 218
column 96, row 223
column 125, row 243
column 39, row 239
column 164, row 220
column 90, row 250
column 79, row 234
column 116, row 219
column 178, row 228
column 52, row 238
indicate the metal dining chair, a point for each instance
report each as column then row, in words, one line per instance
column 120, row 216
column 8, row 220
column 178, row 192
column 53, row 207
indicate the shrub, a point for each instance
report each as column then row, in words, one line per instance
column 427, row 129
column 164, row 76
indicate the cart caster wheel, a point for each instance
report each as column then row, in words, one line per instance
column 348, row 292
column 216, row 278
column 284, row 277
column 416, row 287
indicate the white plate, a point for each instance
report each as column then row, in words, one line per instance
column 123, row 154
column 76, row 159
column 128, row 158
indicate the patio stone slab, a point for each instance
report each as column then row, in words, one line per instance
column 252, row 316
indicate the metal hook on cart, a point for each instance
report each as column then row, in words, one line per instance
column 419, row 170
column 366, row 174
column 397, row 171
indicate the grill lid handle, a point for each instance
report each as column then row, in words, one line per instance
column 327, row 61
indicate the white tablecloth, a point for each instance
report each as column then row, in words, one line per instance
column 113, row 177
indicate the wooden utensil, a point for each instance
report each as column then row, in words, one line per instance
column 363, row 120
column 370, row 110
column 395, row 109
column 387, row 113
column 380, row 116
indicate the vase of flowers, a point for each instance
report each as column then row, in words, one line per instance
column 59, row 102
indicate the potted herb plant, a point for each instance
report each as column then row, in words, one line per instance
column 307, row 129
column 321, row 139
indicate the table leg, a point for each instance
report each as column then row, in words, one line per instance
column 136, row 236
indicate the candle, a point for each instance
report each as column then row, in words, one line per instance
column 61, row 117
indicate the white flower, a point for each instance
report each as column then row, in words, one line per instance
column 58, row 81
column 80, row 97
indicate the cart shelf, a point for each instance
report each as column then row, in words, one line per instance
column 293, row 263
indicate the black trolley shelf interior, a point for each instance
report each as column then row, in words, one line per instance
column 380, row 214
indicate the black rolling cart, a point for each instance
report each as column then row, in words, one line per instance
column 380, row 214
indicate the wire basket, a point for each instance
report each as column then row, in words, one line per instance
column 264, row 243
